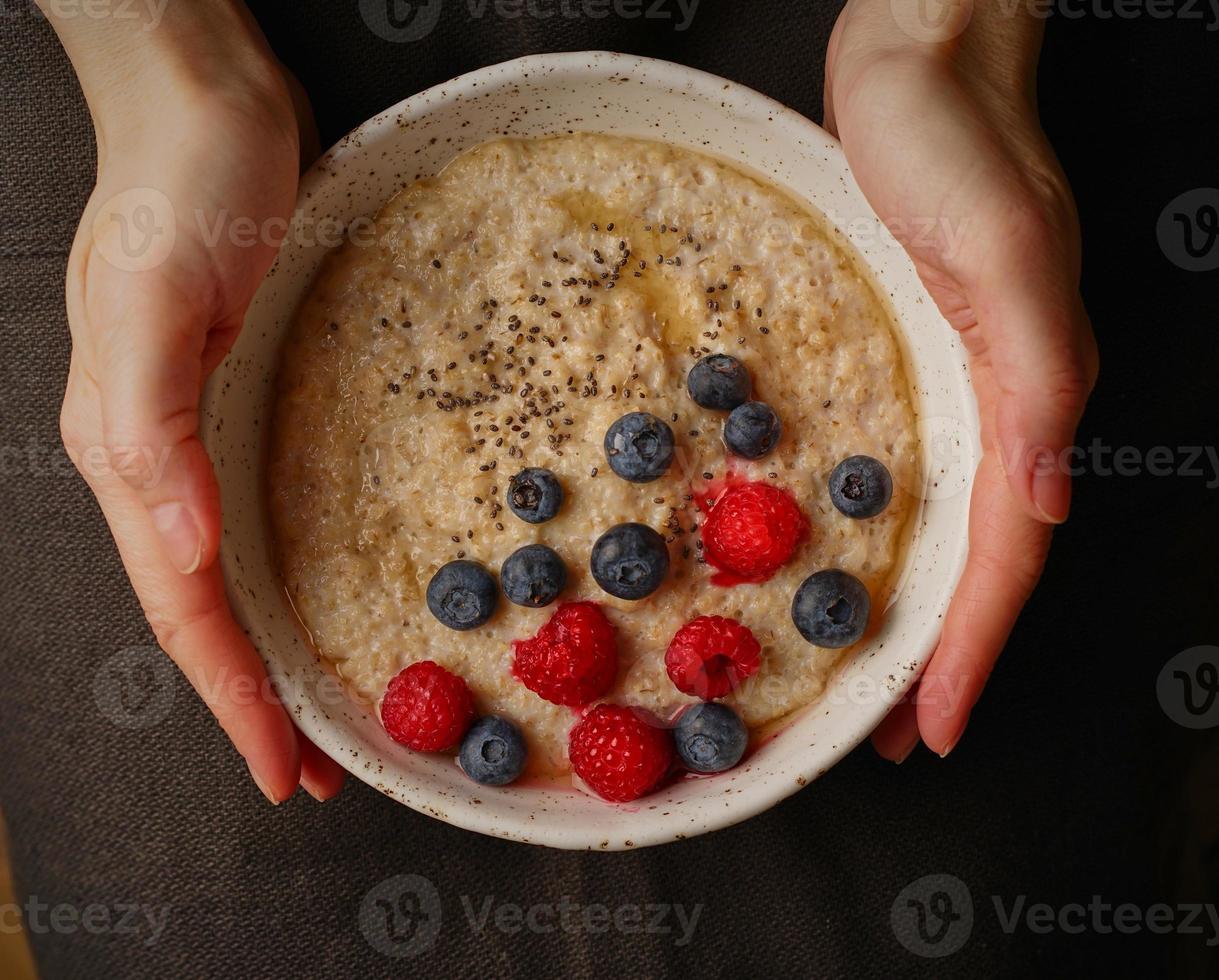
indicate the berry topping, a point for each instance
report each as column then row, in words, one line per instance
column 752, row 530
column 493, row 752
column 427, row 708
column 462, row 595
column 719, row 381
column 861, row 486
column 533, row 576
column 535, row 495
column 710, row 656
column 752, row 430
column 831, row 609
column 630, row 561
column 639, row 447
column 710, row 738
column 618, row 754
column 573, row 658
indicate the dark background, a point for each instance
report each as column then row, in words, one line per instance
column 1071, row 781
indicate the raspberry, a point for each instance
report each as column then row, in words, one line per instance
column 710, row 656
column 752, row 530
column 427, row 708
column 573, row 658
column 618, row 754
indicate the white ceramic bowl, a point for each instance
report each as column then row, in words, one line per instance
column 608, row 93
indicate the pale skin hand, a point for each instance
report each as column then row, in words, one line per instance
column 947, row 132
column 199, row 111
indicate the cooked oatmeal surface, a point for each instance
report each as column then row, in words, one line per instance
column 502, row 315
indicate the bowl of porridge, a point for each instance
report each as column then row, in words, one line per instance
column 595, row 469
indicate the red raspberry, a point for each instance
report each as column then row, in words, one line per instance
column 752, row 530
column 618, row 754
column 427, row 708
column 710, row 656
column 573, row 659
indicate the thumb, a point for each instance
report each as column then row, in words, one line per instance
column 149, row 363
column 1041, row 352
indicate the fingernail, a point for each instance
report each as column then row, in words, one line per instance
column 180, row 536
column 263, row 788
column 309, row 790
column 951, row 745
column 905, row 753
column 1052, row 496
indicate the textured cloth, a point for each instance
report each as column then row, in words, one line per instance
column 1070, row 782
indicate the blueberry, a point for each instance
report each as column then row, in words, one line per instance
column 861, row 486
column 831, row 609
column 462, row 595
column 533, row 576
column 639, row 447
column 710, row 737
column 752, row 430
column 535, row 495
column 719, row 381
column 493, row 752
column 630, row 561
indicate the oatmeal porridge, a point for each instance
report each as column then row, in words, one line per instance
column 540, row 305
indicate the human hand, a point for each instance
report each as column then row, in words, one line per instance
column 198, row 128
column 941, row 132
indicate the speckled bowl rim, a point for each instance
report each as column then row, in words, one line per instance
column 819, row 735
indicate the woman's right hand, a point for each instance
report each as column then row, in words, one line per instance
column 199, row 134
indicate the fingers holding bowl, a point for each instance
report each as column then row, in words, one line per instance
column 189, row 613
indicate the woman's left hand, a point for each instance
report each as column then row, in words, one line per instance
column 942, row 134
